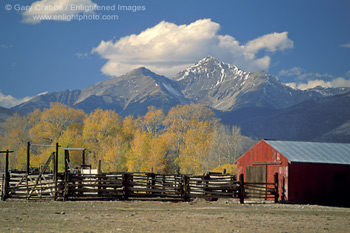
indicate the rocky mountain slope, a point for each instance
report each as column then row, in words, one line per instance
column 318, row 119
column 225, row 87
column 131, row 93
column 128, row 94
column 43, row 100
column 5, row 113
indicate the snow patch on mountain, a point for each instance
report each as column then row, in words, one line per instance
column 172, row 90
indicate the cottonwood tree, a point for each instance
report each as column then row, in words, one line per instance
column 194, row 152
column 226, row 145
column 100, row 137
column 48, row 127
column 189, row 129
column 15, row 137
column 184, row 117
column 53, row 122
column 139, row 152
column 152, row 121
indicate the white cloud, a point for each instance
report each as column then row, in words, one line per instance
column 81, row 55
column 301, row 74
column 168, row 48
column 306, row 80
column 9, row 101
column 292, row 85
column 2, row 46
column 345, row 45
column 271, row 42
column 57, row 10
column 295, row 71
column 335, row 83
column 347, row 73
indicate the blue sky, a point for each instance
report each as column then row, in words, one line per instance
column 303, row 43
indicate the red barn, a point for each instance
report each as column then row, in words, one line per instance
column 309, row 172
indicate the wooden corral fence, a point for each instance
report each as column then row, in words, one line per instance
column 135, row 186
column 84, row 183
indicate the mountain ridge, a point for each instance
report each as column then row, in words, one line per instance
column 5, row 113
column 317, row 119
column 120, row 93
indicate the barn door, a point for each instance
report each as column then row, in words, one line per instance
column 256, row 174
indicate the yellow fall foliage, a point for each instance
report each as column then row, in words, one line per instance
column 188, row 138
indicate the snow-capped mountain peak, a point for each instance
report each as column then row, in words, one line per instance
column 225, row 87
column 211, row 81
column 213, row 69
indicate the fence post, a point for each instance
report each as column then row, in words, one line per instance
column 163, row 183
column 241, row 188
column 153, row 181
column 28, row 168
column 55, row 171
column 66, row 175
column 66, row 186
column 126, row 183
column 205, row 179
column 7, row 176
column 83, row 157
column 99, row 168
column 233, row 184
column 99, row 184
column 276, row 187
column 54, row 175
column 56, row 159
column 28, row 158
column 186, row 188
column 149, row 182
column 7, row 162
column 101, row 181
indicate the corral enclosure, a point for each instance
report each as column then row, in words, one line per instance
column 132, row 186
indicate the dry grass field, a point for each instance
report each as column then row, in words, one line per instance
column 148, row 216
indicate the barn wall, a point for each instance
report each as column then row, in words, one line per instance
column 319, row 183
column 262, row 154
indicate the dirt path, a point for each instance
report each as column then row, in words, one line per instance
column 197, row 216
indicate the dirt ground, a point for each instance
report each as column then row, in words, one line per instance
column 148, row 216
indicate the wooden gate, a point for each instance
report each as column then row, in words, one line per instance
column 256, row 186
column 32, row 186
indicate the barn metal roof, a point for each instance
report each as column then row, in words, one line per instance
column 313, row 152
